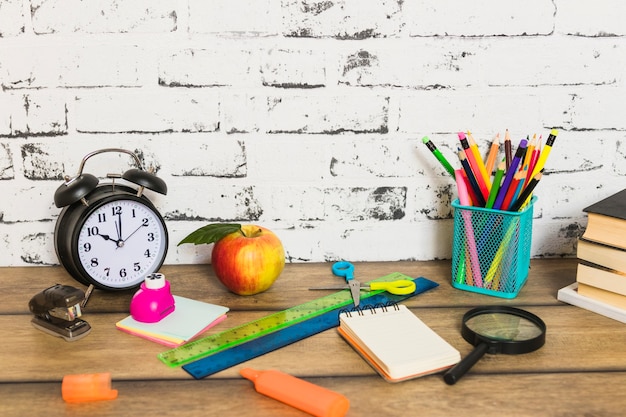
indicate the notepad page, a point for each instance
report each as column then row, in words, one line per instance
column 398, row 341
column 188, row 319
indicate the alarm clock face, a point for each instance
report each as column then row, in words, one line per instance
column 120, row 241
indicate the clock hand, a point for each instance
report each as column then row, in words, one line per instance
column 118, row 227
column 107, row 237
column 135, row 231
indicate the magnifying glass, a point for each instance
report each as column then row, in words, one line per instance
column 497, row 329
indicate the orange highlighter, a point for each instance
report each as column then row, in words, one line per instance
column 298, row 393
column 87, row 387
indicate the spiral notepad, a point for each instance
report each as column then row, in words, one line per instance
column 396, row 343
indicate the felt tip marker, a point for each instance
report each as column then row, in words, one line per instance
column 298, row 393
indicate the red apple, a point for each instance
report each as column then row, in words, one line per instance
column 249, row 260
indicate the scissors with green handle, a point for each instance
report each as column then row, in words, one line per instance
column 346, row 269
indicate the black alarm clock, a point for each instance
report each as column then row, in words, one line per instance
column 109, row 235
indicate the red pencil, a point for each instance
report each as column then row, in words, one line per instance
column 513, row 189
column 533, row 160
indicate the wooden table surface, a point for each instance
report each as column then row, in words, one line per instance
column 580, row 371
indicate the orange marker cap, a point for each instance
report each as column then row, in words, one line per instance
column 87, row 387
column 298, row 393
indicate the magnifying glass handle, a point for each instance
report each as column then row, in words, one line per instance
column 453, row 375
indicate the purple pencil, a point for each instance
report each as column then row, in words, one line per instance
column 510, row 173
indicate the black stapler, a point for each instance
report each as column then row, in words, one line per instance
column 57, row 310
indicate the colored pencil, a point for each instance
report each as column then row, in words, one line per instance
column 529, row 152
column 527, row 192
column 442, row 159
column 545, row 152
column 543, row 156
column 480, row 201
column 497, row 259
column 510, row 173
column 495, row 186
column 493, row 154
column 469, row 230
column 514, row 189
column 470, row 190
column 482, row 186
column 533, row 160
column 508, row 151
column 479, row 162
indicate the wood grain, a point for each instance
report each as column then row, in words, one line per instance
column 580, row 370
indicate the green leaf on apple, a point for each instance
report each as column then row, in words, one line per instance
column 211, row 233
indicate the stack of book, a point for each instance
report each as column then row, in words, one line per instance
column 601, row 275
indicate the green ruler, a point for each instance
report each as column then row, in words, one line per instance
column 209, row 345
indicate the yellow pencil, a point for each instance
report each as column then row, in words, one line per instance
column 545, row 151
column 529, row 152
column 497, row 259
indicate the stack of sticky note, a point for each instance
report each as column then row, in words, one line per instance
column 188, row 320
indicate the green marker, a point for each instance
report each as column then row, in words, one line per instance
column 439, row 155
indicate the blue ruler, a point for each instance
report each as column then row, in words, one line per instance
column 266, row 343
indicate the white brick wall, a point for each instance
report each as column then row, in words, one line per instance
column 307, row 117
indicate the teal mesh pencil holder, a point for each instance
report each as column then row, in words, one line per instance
column 491, row 249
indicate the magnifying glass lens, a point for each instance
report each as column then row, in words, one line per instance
column 497, row 329
column 504, row 327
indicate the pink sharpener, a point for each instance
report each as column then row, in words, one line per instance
column 153, row 301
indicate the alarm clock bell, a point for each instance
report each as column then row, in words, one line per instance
column 76, row 188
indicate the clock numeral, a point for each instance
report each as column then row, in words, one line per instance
column 136, row 267
column 94, row 262
column 145, row 222
column 147, row 253
column 134, row 213
column 93, row 231
column 102, row 218
column 150, row 237
column 123, row 273
column 116, row 210
column 106, row 271
column 87, row 247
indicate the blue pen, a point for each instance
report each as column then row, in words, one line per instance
column 510, row 173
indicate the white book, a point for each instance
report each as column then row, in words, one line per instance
column 569, row 294
column 396, row 343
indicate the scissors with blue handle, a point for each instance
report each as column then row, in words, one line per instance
column 346, row 269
